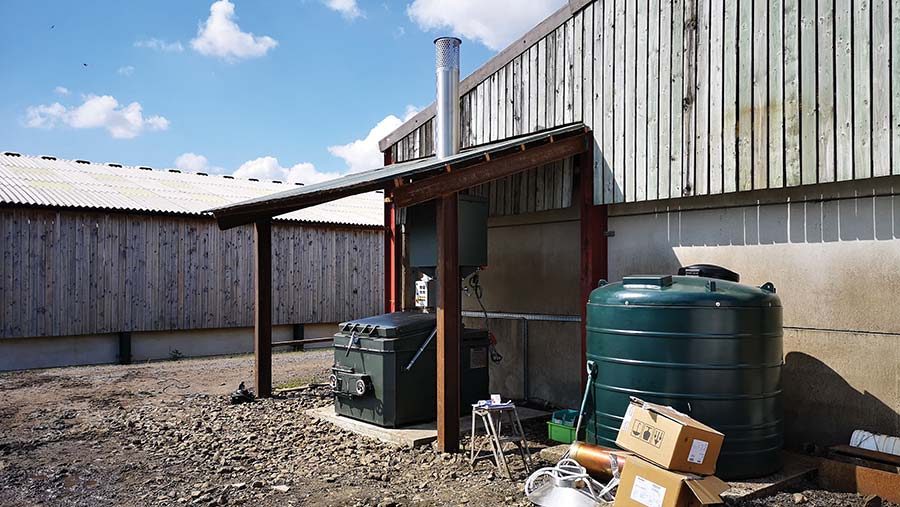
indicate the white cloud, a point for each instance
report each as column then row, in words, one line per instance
column 122, row 122
column 348, row 8
column 359, row 155
column 61, row 90
column 477, row 19
column 44, row 116
column 363, row 154
column 268, row 168
column 126, row 71
column 221, row 37
column 192, row 162
column 160, row 45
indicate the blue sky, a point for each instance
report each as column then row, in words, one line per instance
column 267, row 85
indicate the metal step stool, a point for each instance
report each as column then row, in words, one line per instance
column 492, row 419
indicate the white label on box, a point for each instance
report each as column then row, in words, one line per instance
column 698, row 451
column 627, row 419
column 647, row 493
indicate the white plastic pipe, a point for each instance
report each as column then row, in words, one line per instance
column 882, row 443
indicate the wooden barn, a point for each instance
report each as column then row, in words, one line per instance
column 620, row 137
column 102, row 263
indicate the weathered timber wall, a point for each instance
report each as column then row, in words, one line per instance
column 700, row 97
column 72, row 272
column 540, row 189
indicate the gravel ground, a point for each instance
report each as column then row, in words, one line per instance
column 165, row 434
column 807, row 495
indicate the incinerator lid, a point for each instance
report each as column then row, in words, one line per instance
column 390, row 325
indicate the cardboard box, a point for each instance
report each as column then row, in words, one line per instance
column 669, row 438
column 644, row 484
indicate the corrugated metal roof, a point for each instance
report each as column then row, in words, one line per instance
column 46, row 181
column 313, row 195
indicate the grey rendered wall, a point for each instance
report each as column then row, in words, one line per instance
column 834, row 256
column 534, row 267
column 51, row 352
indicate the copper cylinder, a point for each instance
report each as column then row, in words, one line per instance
column 596, row 459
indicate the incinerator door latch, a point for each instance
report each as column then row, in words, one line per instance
column 356, row 331
column 346, row 382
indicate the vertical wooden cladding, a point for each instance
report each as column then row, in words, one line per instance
column 539, row 189
column 881, row 87
column 73, row 272
column 696, row 97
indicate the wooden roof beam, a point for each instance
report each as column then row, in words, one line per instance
column 492, row 169
column 409, row 174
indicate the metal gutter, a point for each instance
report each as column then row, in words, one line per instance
column 543, row 317
column 882, row 186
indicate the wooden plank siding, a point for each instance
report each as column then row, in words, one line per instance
column 70, row 273
column 699, row 97
column 540, row 189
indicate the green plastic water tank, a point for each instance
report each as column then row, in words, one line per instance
column 707, row 347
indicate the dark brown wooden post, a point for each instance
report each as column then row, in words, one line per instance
column 593, row 244
column 391, row 237
column 125, row 347
column 448, row 323
column 392, row 266
column 262, row 310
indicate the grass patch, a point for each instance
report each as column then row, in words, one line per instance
column 295, row 382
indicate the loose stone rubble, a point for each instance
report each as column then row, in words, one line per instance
column 198, row 449
column 165, row 434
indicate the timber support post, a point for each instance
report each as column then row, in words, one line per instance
column 449, row 320
column 391, row 264
column 125, row 347
column 262, row 309
column 393, row 268
column 298, row 333
column 594, row 244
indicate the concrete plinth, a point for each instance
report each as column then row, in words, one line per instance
column 410, row 436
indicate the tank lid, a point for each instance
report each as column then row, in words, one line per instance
column 647, row 281
column 667, row 290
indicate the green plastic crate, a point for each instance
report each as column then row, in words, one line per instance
column 560, row 433
column 561, row 427
column 565, row 417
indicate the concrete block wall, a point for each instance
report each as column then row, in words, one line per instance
column 50, row 352
column 56, row 351
column 534, row 263
column 833, row 252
